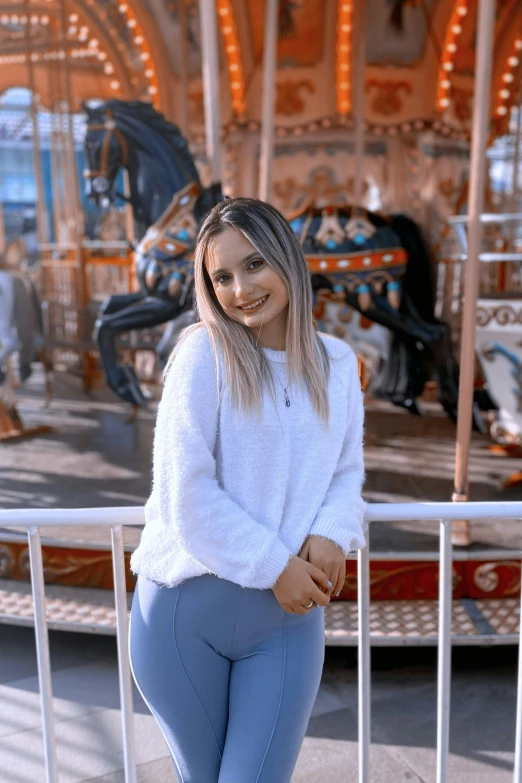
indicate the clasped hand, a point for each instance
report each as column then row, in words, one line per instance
column 306, row 576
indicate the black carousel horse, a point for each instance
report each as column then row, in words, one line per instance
column 167, row 199
column 381, row 266
column 378, row 265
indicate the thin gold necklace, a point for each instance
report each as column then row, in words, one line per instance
column 287, row 401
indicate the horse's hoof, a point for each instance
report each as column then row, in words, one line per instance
column 25, row 371
column 124, row 382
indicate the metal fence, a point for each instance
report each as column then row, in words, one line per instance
column 115, row 518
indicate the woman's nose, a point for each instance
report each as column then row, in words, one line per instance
column 243, row 288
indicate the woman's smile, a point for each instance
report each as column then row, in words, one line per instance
column 256, row 305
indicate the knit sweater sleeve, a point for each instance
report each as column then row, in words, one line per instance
column 210, row 526
column 341, row 515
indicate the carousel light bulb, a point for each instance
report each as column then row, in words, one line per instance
column 444, row 103
column 504, row 93
column 152, row 90
column 131, row 23
column 123, row 8
column 4, row 19
column 457, row 29
column 72, row 30
column 513, row 61
column 14, row 19
column 44, row 20
column 138, row 39
column 93, row 43
column 445, row 84
column 108, row 68
column 34, row 19
column 73, row 18
column 102, row 56
column 144, row 56
column 508, row 77
column 501, row 110
column 447, row 66
column 451, row 47
column 518, row 45
column 34, row 57
column 462, row 10
column 114, row 85
column 149, row 73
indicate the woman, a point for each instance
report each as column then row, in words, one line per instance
column 256, row 501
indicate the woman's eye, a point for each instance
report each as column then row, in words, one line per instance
column 220, row 280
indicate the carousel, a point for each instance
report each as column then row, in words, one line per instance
column 389, row 134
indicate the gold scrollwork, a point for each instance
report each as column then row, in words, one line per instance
column 503, row 315
column 487, row 578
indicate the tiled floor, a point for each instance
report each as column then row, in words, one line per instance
column 403, row 716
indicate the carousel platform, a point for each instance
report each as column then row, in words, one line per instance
column 94, row 457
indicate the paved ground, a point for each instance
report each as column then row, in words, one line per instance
column 403, row 716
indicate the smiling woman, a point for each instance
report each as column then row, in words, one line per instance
column 246, row 531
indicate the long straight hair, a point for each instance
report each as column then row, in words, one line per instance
column 246, row 365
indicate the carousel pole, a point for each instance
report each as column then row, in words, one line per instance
column 267, row 125
column 73, row 199
column 359, row 61
column 69, row 150
column 477, row 178
column 41, row 212
column 183, row 70
column 210, row 68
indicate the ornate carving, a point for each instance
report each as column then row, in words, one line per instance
column 462, row 101
column 7, row 561
column 503, row 315
column 387, row 99
column 487, row 577
column 289, row 99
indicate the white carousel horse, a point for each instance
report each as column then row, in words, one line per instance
column 21, row 326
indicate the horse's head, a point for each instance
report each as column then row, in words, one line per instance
column 106, row 152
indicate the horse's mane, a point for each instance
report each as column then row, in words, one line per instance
column 145, row 113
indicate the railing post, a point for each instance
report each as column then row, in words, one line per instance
column 444, row 656
column 42, row 654
column 364, row 673
column 122, row 630
column 517, row 774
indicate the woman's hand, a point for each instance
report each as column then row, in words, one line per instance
column 328, row 557
column 300, row 583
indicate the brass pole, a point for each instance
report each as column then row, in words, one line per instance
column 479, row 137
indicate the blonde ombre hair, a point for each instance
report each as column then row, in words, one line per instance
column 246, row 365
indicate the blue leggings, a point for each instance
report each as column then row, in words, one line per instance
column 230, row 677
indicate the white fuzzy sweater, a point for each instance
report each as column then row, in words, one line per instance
column 237, row 498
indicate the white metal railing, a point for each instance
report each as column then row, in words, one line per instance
column 116, row 518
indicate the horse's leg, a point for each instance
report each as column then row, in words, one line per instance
column 8, row 338
column 143, row 314
column 113, row 304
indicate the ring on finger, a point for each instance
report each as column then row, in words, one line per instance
column 309, row 606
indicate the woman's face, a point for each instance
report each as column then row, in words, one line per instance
column 240, row 276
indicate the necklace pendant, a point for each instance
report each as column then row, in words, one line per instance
column 287, row 401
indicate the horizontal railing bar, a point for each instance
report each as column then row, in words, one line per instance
column 487, row 217
column 375, row 512
column 19, row 536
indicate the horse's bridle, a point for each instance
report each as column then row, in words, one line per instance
column 100, row 177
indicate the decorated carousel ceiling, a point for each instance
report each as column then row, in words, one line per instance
column 420, row 59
